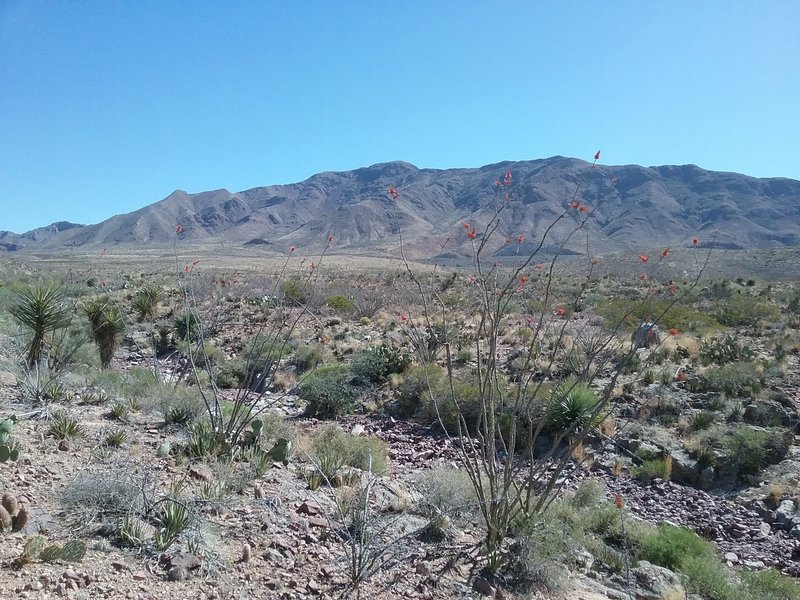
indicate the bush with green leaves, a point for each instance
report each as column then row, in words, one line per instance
column 308, row 356
column 753, row 448
column 414, row 388
column 187, row 326
column 734, row 379
column 255, row 368
column 725, row 350
column 340, row 304
column 296, row 291
column 375, row 364
column 329, row 392
column 364, row 452
column 667, row 315
column 9, row 448
column 744, row 310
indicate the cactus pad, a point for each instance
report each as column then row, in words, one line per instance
column 10, row 503
column 73, row 551
column 33, row 546
column 51, row 553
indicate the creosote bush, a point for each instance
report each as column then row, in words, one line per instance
column 329, row 392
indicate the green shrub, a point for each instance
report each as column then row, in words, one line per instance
column 660, row 468
column 341, row 304
column 414, row 389
column 752, row 449
column 701, row 420
column 672, row 547
column 744, row 310
column 571, row 403
column 296, row 291
column 734, row 379
column 180, row 404
column 187, row 326
column 769, row 584
column 678, row 316
column 722, row 351
column 376, row 363
column 364, row 452
column 329, row 392
column 254, row 368
column 308, row 356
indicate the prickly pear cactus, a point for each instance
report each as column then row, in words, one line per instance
column 33, row 546
column 163, row 449
column 51, row 553
column 256, row 425
column 73, row 551
column 8, row 448
column 280, row 451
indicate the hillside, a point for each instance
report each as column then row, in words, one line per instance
column 632, row 206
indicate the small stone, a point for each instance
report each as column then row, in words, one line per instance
column 357, row 429
column 201, row 473
column 177, row 574
column 185, row 560
column 309, row 508
column 61, row 590
column 313, row 587
column 423, row 568
column 63, row 445
column 140, row 575
column 482, row 586
column 119, row 565
column 71, row 574
column 731, row 557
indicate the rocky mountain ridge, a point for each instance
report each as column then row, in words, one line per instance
column 630, row 207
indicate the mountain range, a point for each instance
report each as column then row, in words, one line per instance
column 628, row 207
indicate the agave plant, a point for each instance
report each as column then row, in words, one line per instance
column 40, row 308
column 107, row 327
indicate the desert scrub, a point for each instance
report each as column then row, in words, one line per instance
column 106, row 325
column 329, row 392
column 753, row 448
column 572, row 404
column 375, row 364
column 307, row 357
column 743, row 310
column 179, row 404
column 340, row 304
column 364, row 452
column 414, row 388
column 725, row 350
column 446, row 491
column 680, row 316
column 254, row 369
column 735, row 379
column 62, row 426
column 296, row 292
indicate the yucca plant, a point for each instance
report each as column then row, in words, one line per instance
column 107, row 327
column 146, row 300
column 42, row 310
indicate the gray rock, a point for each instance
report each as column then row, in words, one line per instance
column 656, row 583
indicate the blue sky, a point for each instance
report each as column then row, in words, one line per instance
column 107, row 106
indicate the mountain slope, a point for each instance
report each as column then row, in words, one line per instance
column 632, row 206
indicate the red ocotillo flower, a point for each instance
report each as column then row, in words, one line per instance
column 674, row 331
column 330, row 238
column 618, row 501
column 561, row 311
column 393, row 192
column 178, row 229
column 695, row 241
column 583, row 208
column 292, row 248
column 520, row 239
column 597, row 155
column 644, row 258
column 665, row 252
column 523, row 279
column 472, row 233
column 403, row 317
column 507, row 178
column 643, row 276
column 539, row 267
column 574, row 204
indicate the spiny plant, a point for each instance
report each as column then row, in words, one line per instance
column 107, row 326
column 9, row 449
column 41, row 309
column 145, row 301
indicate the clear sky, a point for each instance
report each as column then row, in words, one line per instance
column 108, row 106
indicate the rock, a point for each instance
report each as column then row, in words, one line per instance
column 423, row 568
column 309, row 508
column 731, row 557
column 646, row 335
column 201, row 473
column 63, row 445
column 185, row 560
column 140, row 575
column 656, row 583
column 357, row 429
column 177, row 574
column 482, row 586
column 119, row 565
